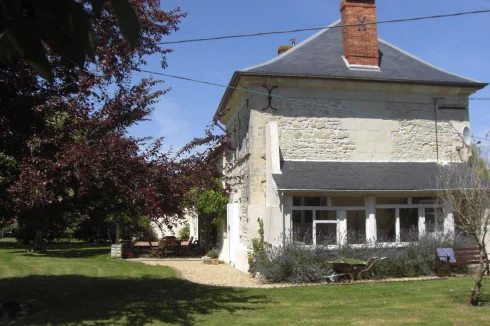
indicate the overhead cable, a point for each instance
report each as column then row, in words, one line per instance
column 320, row 28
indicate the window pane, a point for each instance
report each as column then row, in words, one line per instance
column 356, row 227
column 297, row 216
column 430, row 220
column 296, row 201
column 424, row 200
column 409, row 224
column 391, row 200
column 326, row 233
column 440, row 219
column 434, row 220
column 303, row 226
column 326, row 215
column 386, row 224
column 347, row 201
column 308, row 216
column 315, row 201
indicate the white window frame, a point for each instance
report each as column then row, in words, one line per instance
column 341, row 221
column 421, row 221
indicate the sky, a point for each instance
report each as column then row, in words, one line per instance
column 458, row 45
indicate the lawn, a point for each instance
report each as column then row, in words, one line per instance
column 80, row 285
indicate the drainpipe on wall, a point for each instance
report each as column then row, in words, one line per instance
column 283, row 220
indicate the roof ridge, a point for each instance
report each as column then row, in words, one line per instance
column 425, row 62
column 309, row 39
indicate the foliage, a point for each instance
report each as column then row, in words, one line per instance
column 257, row 248
column 295, row 262
column 65, row 27
column 465, row 191
column 213, row 253
column 479, row 161
column 212, row 202
column 70, row 160
column 185, row 232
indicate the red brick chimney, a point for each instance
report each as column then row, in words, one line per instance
column 360, row 42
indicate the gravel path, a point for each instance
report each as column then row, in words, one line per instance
column 194, row 270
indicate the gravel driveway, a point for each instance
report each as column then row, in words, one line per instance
column 194, row 270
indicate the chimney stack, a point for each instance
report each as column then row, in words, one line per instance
column 360, row 42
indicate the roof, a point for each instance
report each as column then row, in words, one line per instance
column 322, row 56
column 357, row 176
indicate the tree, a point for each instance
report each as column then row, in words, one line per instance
column 65, row 27
column 65, row 156
column 466, row 193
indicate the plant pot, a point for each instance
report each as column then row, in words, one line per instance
column 206, row 260
column 215, row 261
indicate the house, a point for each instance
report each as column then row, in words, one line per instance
column 341, row 134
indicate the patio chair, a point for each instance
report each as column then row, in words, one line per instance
column 169, row 246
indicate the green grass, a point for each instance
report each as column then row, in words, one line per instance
column 76, row 284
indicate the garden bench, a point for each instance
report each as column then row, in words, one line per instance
column 448, row 257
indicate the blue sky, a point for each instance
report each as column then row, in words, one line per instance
column 455, row 44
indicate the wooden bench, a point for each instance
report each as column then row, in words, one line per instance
column 448, row 257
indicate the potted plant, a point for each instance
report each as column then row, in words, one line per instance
column 213, row 254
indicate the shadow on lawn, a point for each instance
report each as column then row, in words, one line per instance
column 76, row 299
column 87, row 252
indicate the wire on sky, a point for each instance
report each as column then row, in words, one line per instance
column 277, row 96
column 320, row 28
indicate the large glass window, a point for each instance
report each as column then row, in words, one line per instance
column 326, row 215
column 391, row 200
column 409, row 224
column 326, row 233
column 386, row 224
column 347, row 201
column 356, row 227
column 434, row 220
column 303, row 226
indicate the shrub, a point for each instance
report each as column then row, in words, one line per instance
column 295, row 262
column 213, row 253
column 185, row 232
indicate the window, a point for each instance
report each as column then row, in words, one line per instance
column 309, row 201
column 326, row 215
column 348, row 201
column 409, row 224
column 391, row 200
column 424, row 200
column 386, row 224
column 303, row 226
column 326, row 233
column 434, row 220
column 356, row 227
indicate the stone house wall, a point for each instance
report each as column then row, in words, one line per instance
column 395, row 126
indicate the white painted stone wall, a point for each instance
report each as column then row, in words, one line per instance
column 190, row 218
column 238, row 165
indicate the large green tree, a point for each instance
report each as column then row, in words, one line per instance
column 65, row 156
column 35, row 29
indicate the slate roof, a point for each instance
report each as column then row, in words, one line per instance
column 321, row 56
column 357, row 176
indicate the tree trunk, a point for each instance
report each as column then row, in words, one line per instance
column 38, row 241
column 476, row 291
column 118, row 231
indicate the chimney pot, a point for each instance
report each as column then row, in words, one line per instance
column 283, row 48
